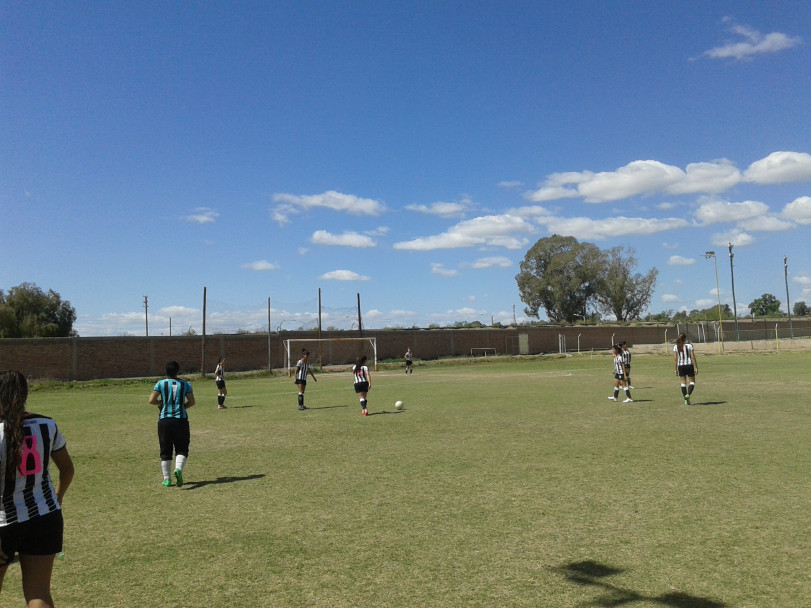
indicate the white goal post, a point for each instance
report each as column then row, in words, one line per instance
column 329, row 351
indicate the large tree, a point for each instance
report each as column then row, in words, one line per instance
column 765, row 305
column 622, row 292
column 560, row 275
column 28, row 312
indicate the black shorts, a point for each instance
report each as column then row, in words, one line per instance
column 301, row 382
column 362, row 387
column 619, row 376
column 409, row 362
column 173, row 436
column 687, row 370
column 38, row 536
column 220, row 384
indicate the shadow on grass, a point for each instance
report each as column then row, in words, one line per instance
column 325, row 407
column 709, row 403
column 194, row 485
column 385, row 412
column 593, row 574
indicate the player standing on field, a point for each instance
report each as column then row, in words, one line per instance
column 302, row 369
column 173, row 396
column 684, row 360
column 626, row 358
column 363, row 382
column 31, row 523
column 620, row 375
column 219, row 379
column 409, row 362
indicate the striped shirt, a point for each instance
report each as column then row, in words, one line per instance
column 302, row 369
column 173, row 392
column 219, row 373
column 626, row 357
column 685, row 355
column 33, row 493
column 619, row 365
column 361, row 374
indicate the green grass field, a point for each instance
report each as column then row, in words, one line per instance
column 502, row 483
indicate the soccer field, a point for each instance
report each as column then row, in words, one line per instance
column 501, row 483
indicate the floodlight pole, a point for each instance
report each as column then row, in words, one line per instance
column 788, row 301
column 708, row 255
column 734, row 303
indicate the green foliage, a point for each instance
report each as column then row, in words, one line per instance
column 562, row 276
column 28, row 312
column 765, row 306
column 801, row 309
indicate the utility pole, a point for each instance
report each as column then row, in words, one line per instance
column 146, row 314
column 708, row 255
column 734, row 303
column 788, row 301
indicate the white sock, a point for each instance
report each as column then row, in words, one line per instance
column 166, row 468
column 180, row 462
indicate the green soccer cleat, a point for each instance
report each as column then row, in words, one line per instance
column 179, row 477
column 167, row 483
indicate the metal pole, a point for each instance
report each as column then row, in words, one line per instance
column 146, row 314
column 203, row 357
column 707, row 255
column 270, row 359
column 788, row 301
column 734, row 303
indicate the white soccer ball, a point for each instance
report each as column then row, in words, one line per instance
column 398, row 405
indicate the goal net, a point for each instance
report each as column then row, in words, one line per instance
column 329, row 351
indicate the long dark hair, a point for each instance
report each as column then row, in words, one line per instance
column 13, row 395
column 680, row 340
column 359, row 363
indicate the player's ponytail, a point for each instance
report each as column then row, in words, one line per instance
column 13, row 395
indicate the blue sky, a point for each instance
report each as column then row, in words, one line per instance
column 411, row 152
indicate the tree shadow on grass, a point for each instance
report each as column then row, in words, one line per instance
column 593, row 574
column 194, row 485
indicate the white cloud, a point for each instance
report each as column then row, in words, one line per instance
column 202, row 215
column 705, row 303
column 639, row 177
column 510, row 185
column 260, row 265
column 802, row 280
column 343, row 275
column 481, row 263
column 490, row 230
column 347, row 239
column 677, row 260
column 587, row 228
column 718, row 211
column 753, row 43
column 799, row 210
column 442, row 271
column 768, row 223
column 669, row 298
column 347, row 203
column 779, row 168
column 441, row 209
column 737, row 237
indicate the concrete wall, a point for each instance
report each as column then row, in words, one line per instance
column 130, row 357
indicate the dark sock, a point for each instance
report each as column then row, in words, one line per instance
column 616, row 392
column 220, row 399
column 363, row 404
column 300, row 399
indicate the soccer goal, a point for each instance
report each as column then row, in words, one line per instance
column 329, row 351
column 482, row 352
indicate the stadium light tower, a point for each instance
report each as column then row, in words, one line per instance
column 788, row 301
column 708, row 255
column 734, row 303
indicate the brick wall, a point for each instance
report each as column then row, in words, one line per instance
column 130, row 357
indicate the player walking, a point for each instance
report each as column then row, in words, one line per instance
column 31, row 523
column 620, row 375
column 363, row 382
column 173, row 396
column 626, row 358
column 219, row 379
column 684, row 360
column 302, row 369
column 409, row 362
